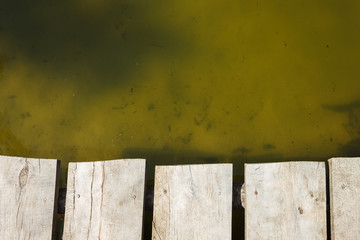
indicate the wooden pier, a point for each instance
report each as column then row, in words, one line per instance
column 106, row 200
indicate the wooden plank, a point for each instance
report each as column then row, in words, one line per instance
column 192, row 202
column 285, row 201
column 345, row 198
column 27, row 197
column 105, row 200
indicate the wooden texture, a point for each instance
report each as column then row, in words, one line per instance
column 105, row 200
column 285, row 201
column 345, row 198
column 27, row 197
column 192, row 202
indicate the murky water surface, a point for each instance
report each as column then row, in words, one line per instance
column 180, row 82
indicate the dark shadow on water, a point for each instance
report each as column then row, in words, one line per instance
column 112, row 40
column 352, row 127
column 351, row 148
column 346, row 107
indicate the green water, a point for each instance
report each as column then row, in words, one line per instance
column 180, row 81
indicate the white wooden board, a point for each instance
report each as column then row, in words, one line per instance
column 193, row 202
column 27, row 197
column 104, row 200
column 345, row 198
column 285, row 201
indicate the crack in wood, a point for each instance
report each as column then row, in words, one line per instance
column 91, row 200
column 102, row 196
column 156, row 231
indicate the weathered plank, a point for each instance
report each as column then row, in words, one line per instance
column 105, row 200
column 285, row 201
column 149, row 197
column 27, row 197
column 192, row 202
column 345, row 198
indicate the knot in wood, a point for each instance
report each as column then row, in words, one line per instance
column 23, row 176
column 301, row 211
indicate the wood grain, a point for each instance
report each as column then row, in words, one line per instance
column 192, row 202
column 285, row 201
column 27, row 197
column 345, row 198
column 105, row 200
